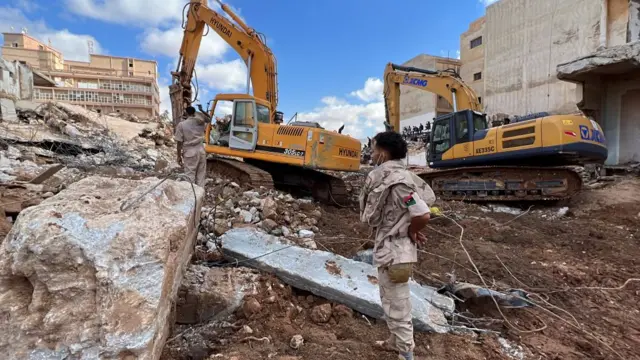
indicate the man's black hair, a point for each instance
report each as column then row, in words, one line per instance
column 393, row 143
column 191, row 110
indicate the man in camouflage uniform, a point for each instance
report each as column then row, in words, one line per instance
column 189, row 136
column 395, row 202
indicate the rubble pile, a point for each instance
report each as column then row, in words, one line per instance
column 274, row 212
column 82, row 138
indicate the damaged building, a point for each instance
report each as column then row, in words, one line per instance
column 106, row 84
column 608, row 79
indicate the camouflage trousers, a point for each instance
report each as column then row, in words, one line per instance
column 195, row 167
column 396, row 303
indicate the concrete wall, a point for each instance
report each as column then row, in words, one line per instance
column 617, row 20
column 621, row 120
column 634, row 21
column 473, row 59
column 16, row 79
column 524, row 41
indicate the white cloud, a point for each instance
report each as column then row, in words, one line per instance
column 488, row 2
column 73, row 46
column 372, row 90
column 224, row 76
column 167, row 42
column 360, row 120
column 128, row 12
column 141, row 13
column 165, row 100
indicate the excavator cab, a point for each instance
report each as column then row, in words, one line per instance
column 452, row 129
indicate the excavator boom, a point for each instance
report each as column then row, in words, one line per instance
column 447, row 84
column 248, row 43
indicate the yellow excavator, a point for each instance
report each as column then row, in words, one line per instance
column 531, row 158
column 287, row 155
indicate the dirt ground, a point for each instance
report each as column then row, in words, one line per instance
column 558, row 260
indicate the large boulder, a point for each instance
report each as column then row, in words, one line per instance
column 82, row 279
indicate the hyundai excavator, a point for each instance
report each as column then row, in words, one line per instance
column 529, row 159
column 287, row 155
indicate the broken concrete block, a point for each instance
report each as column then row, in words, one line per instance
column 82, row 279
column 8, row 110
column 331, row 276
column 209, row 294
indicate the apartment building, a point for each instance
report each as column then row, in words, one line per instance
column 108, row 84
column 418, row 106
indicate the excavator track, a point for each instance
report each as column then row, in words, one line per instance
column 504, row 183
column 240, row 171
column 323, row 187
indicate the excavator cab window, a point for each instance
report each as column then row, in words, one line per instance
column 462, row 127
column 243, row 114
column 441, row 136
column 479, row 122
column 244, row 127
column 263, row 114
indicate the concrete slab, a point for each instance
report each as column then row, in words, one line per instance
column 8, row 110
column 331, row 276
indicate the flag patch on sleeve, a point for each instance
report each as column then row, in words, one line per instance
column 409, row 200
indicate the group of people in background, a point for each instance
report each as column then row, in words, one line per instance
column 415, row 130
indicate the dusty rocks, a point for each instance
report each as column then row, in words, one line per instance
column 209, row 294
column 296, row 341
column 321, row 313
column 81, row 279
column 250, row 307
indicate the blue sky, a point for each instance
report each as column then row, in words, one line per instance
column 331, row 53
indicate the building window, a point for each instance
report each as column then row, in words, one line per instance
column 15, row 44
column 480, row 99
column 477, row 76
column 40, row 47
column 476, row 42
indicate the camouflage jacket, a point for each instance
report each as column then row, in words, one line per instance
column 390, row 197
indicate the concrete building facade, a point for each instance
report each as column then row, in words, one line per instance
column 472, row 46
column 608, row 79
column 524, row 41
column 418, row 106
column 104, row 83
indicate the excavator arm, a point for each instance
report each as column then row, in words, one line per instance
column 444, row 83
column 249, row 44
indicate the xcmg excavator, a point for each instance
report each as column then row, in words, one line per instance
column 288, row 155
column 530, row 159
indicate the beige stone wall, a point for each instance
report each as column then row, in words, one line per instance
column 521, row 53
column 10, row 39
column 617, row 20
column 473, row 59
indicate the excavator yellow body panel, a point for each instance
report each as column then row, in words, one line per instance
column 560, row 139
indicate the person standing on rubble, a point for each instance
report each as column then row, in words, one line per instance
column 191, row 155
column 395, row 202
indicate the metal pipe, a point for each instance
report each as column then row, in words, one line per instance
column 455, row 101
column 249, row 75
